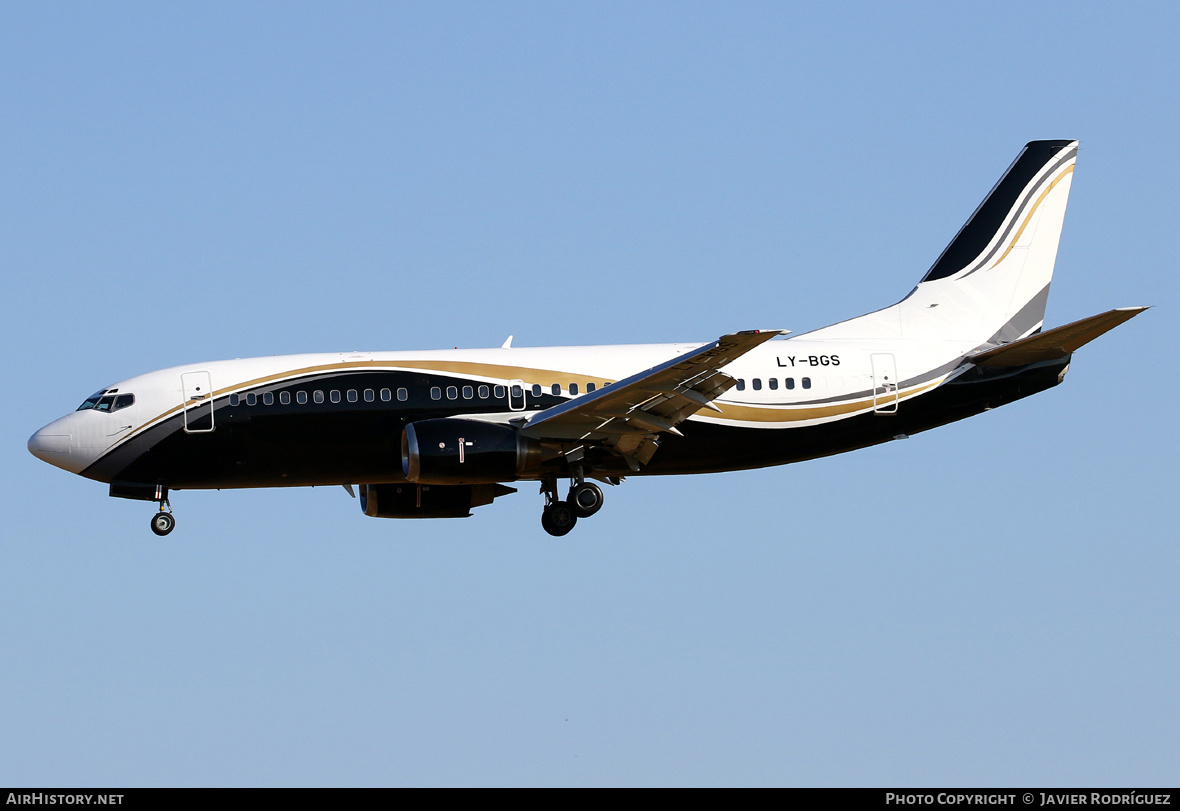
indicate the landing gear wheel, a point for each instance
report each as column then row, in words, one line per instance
column 558, row 518
column 163, row 523
column 586, row 499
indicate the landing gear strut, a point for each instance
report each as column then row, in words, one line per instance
column 584, row 499
column 163, row 522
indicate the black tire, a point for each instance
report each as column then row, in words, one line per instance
column 163, row 523
column 558, row 519
column 586, row 499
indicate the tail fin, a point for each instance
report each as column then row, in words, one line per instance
column 991, row 283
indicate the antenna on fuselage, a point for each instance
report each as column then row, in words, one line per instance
column 507, row 344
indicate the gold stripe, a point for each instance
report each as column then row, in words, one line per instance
column 740, row 413
column 529, row 376
column 744, row 413
column 1028, row 218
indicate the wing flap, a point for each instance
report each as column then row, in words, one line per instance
column 651, row 402
column 1055, row 343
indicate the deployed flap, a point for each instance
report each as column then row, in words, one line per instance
column 652, row 401
column 1057, row 342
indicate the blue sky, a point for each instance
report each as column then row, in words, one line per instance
column 990, row 603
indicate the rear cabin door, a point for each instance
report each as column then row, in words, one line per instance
column 884, row 384
column 198, row 402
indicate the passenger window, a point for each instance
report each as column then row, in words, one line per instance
column 351, row 395
column 233, row 400
column 807, row 382
column 499, row 392
column 251, row 399
column 317, row 396
column 555, row 388
column 268, row 398
column 334, row 395
column 468, row 392
column 402, row 395
column 435, row 393
column 773, row 383
column 573, row 388
column 386, row 394
column 285, row 397
column 484, row 392
column 301, row 397
column 590, row 387
column 452, row 392
column 757, row 384
column 370, row 395
column 790, row 382
column 536, row 389
column 741, row 385
column 517, row 391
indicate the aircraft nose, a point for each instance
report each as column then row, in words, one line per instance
column 55, row 444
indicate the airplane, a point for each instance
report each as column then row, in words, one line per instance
column 436, row 434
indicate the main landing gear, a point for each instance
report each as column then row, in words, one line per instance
column 586, row 499
column 559, row 517
column 163, row 522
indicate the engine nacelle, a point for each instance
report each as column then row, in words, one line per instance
column 451, row 451
column 427, row 501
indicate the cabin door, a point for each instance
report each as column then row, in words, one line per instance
column 884, row 384
column 198, row 402
column 516, row 395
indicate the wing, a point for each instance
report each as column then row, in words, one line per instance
column 628, row 415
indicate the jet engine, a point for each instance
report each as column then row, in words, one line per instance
column 454, row 451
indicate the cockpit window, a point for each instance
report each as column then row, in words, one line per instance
column 91, row 402
column 107, row 402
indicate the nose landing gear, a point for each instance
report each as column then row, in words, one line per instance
column 163, row 522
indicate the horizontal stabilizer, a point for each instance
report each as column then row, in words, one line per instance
column 1055, row 343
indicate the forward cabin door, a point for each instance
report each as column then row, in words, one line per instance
column 198, row 402
column 884, row 384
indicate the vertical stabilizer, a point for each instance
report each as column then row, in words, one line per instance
column 991, row 283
